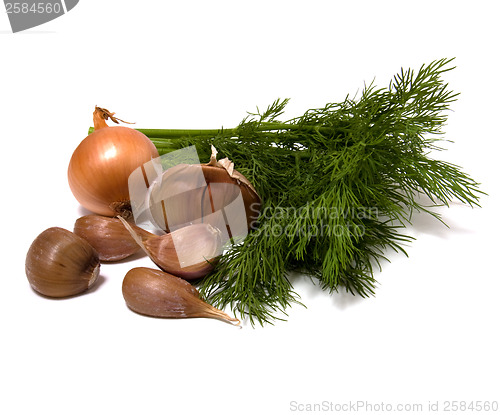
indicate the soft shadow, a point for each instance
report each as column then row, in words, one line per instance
column 441, row 227
column 101, row 279
column 342, row 299
column 222, row 320
column 311, row 289
column 84, row 212
column 134, row 257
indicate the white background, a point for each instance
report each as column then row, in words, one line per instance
column 431, row 332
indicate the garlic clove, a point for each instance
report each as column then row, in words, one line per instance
column 158, row 294
column 213, row 193
column 60, row 263
column 108, row 236
column 190, row 252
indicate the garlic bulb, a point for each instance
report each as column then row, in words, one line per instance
column 213, row 193
column 158, row 294
column 60, row 263
column 189, row 252
column 108, row 236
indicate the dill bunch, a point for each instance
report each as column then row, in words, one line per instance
column 339, row 184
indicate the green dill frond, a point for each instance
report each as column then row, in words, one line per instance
column 339, row 185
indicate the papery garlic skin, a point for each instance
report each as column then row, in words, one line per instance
column 190, row 252
column 156, row 293
column 187, row 194
column 108, row 236
column 172, row 192
column 61, row 264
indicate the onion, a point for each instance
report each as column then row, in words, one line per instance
column 101, row 165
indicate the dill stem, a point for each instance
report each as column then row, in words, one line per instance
column 159, row 133
column 271, row 127
column 231, row 132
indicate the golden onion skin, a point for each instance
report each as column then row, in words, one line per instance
column 100, row 166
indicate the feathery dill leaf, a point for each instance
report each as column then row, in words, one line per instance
column 338, row 185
